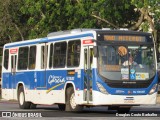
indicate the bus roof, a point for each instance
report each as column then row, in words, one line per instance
column 50, row 39
column 70, row 34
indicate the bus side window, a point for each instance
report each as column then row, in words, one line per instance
column 91, row 58
column 60, row 54
column 44, row 54
column 23, row 58
column 6, row 58
column 51, row 56
column 32, row 57
column 74, row 48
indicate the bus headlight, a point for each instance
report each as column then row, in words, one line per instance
column 153, row 89
column 101, row 88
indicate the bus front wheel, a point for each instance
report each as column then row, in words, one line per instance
column 21, row 99
column 70, row 101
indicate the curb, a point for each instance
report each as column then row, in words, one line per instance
column 8, row 101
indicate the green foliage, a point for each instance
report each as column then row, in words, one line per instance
column 145, row 26
column 53, row 15
column 36, row 18
column 153, row 9
column 11, row 20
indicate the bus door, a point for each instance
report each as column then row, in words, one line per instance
column 13, row 73
column 88, row 62
column 41, row 82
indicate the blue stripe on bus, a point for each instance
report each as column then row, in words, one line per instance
column 56, row 79
column 45, row 40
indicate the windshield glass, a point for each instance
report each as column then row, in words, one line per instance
column 126, row 62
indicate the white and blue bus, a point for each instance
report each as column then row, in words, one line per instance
column 82, row 67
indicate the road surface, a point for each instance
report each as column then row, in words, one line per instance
column 11, row 109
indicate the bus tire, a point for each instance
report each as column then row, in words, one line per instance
column 33, row 106
column 21, row 99
column 70, row 101
column 62, row 107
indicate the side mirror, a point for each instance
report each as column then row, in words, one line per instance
column 95, row 51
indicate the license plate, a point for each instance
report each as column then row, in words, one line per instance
column 129, row 101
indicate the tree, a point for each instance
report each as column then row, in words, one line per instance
column 147, row 18
column 115, row 13
column 28, row 19
column 54, row 15
column 150, row 12
column 10, row 26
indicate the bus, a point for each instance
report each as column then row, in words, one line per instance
column 82, row 68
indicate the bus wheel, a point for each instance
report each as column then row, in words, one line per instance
column 21, row 99
column 33, row 106
column 70, row 101
column 62, row 107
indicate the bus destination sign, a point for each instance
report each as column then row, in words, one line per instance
column 124, row 38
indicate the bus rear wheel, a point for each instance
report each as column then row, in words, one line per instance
column 21, row 99
column 33, row 106
column 70, row 101
column 62, row 107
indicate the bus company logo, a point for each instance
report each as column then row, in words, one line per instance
column 120, row 91
column 55, row 79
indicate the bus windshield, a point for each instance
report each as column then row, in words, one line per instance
column 132, row 62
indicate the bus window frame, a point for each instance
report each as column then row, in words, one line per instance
column 23, row 58
column 33, row 64
column 74, row 53
column 4, row 59
column 59, row 54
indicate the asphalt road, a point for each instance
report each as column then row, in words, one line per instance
column 11, row 109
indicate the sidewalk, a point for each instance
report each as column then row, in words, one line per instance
column 10, row 101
